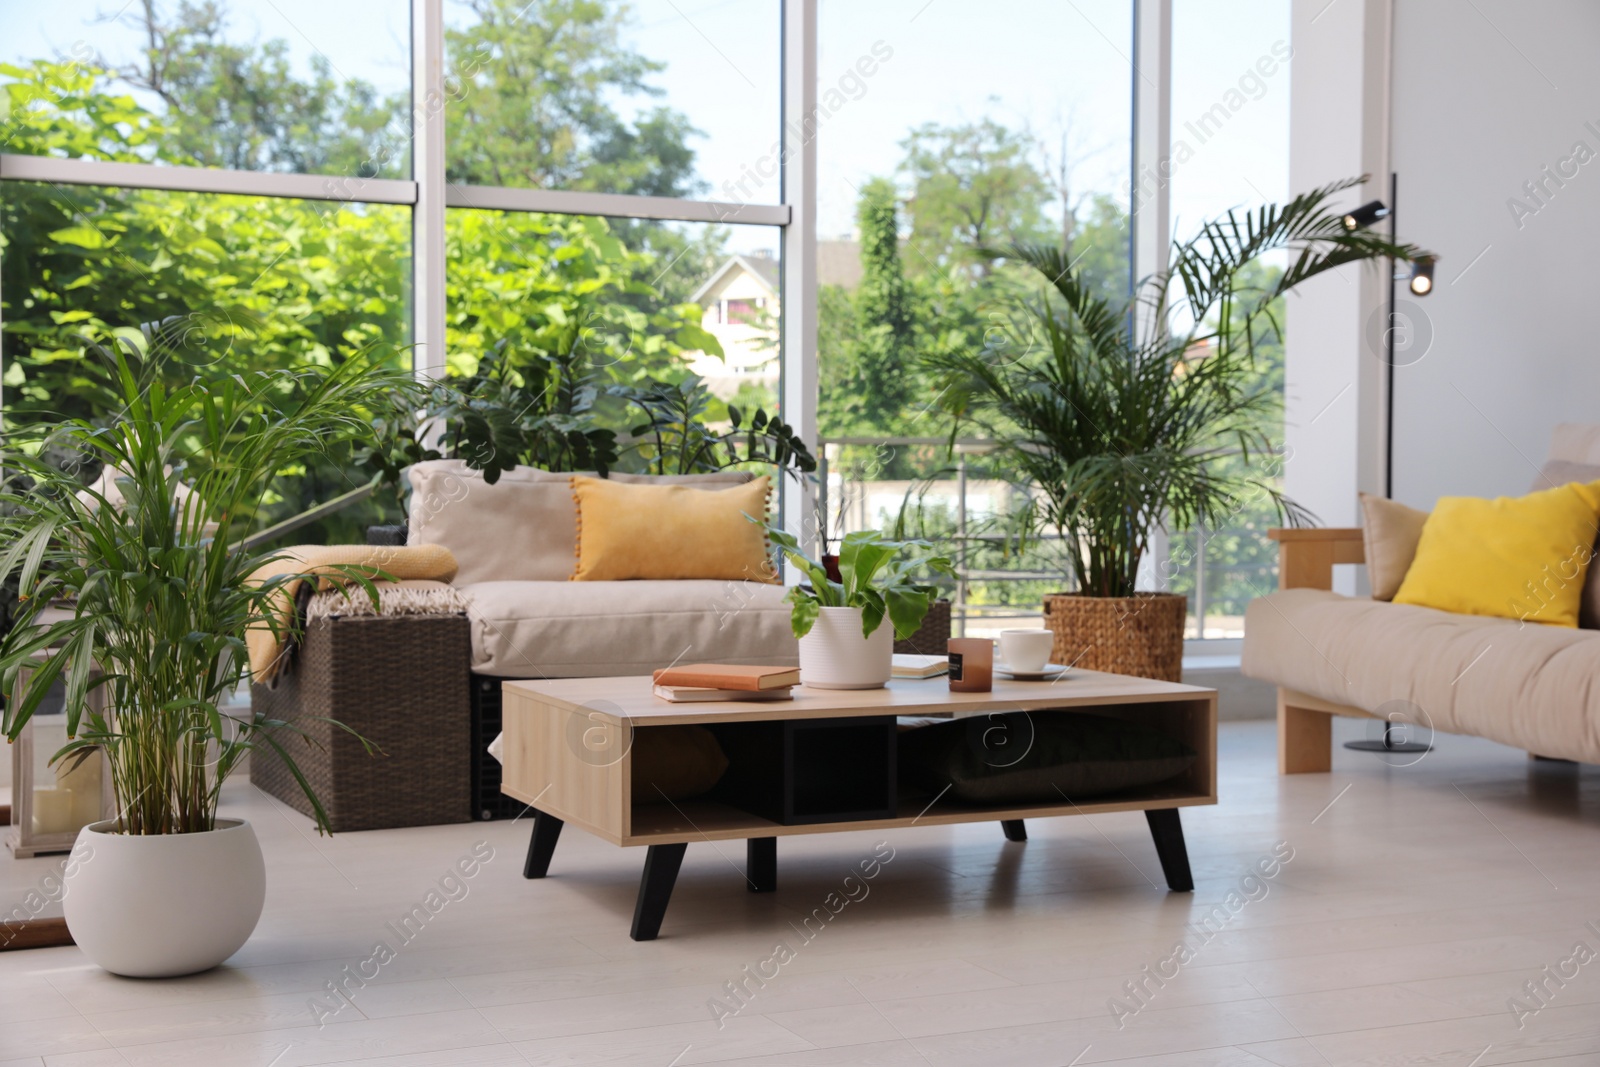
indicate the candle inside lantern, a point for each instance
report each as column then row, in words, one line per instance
column 52, row 811
column 83, row 780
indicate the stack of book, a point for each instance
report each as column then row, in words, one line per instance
column 697, row 682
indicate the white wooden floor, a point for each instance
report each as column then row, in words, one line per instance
column 1418, row 902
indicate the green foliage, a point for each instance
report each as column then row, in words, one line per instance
column 529, row 278
column 879, row 576
column 537, row 109
column 279, row 282
column 1118, row 433
column 159, row 585
column 532, row 406
column 678, row 439
column 870, row 383
column 973, row 187
column 241, row 106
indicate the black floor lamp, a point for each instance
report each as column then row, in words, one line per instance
column 1421, row 283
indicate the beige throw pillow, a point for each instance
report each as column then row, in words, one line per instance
column 520, row 529
column 1390, row 532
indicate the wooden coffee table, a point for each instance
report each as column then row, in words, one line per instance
column 568, row 755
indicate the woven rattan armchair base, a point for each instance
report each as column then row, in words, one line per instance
column 400, row 682
column 933, row 636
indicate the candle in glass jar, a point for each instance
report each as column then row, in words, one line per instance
column 52, row 811
column 84, row 781
column 971, row 664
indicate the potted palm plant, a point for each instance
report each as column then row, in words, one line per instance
column 1119, row 423
column 843, row 642
column 153, row 596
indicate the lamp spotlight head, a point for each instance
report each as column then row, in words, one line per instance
column 1422, row 275
column 1366, row 215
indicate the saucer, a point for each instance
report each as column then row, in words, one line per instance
column 1051, row 672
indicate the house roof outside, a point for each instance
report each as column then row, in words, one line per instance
column 763, row 268
column 838, row 263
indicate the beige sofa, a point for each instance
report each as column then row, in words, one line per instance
column 515, row 542
column 1525, row 685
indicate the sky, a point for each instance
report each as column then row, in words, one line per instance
column 1060, row 68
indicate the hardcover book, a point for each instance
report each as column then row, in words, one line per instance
column 723, row 676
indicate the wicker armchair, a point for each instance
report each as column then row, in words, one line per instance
column 403, row 683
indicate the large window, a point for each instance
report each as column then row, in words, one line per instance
column 300, row 86
column 652, row 97
column 944, row 136
column 442, row 177
column 1230, row 146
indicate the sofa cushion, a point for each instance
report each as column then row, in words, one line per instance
column 522, row 528
column 1389, row 532
column 629, row 532
column 1530, row 687
column 570, row 629
column 1522, row 558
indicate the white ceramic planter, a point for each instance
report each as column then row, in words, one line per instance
column 156, row 906
column 834, row 655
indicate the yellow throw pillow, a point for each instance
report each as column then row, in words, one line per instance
column 671, row 531
column 1512, row 557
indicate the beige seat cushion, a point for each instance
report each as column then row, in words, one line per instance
column 566, row 629
column 1390, row 533
column 1530, row 687
column 522, row 528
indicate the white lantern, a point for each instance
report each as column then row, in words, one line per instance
column 50, row 804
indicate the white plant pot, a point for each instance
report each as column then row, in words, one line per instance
column 155, row 906
column 834, row 655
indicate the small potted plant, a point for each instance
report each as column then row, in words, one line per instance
column 843, row 642
column 159, row 596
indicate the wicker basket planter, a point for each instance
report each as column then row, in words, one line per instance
column 1139, row 635
column 933, row 636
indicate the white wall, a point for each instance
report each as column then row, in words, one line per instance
column 1485, row 96
column 1337, row 130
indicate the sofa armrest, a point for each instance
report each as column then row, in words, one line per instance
column 1306, row 556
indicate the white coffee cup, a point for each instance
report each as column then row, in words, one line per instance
column 1027, row 651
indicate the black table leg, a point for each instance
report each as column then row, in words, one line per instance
column 661, row 865
column 1016, row 829
column 761, row 864
column 546, row 828
column 1167, row 831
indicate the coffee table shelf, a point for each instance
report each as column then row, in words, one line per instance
column 568, row 746
column 694, row 820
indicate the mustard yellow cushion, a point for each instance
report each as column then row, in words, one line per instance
column 670, row 531
column 1513, row 557
column 675, row 763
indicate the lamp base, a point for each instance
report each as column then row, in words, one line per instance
column 1379, row 746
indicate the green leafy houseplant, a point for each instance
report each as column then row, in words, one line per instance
column 543, row 406
column 1116, row 422
column 879, row 576
column 681, row 441
column 156, row 585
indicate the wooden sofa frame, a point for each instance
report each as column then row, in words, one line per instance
column 1306, row 558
